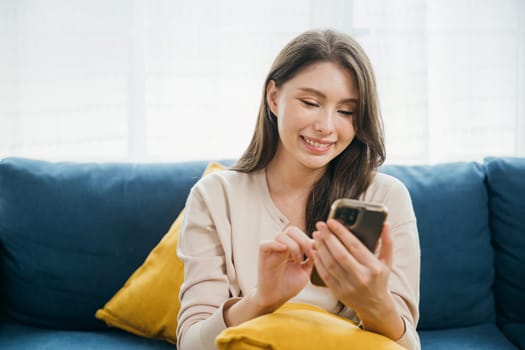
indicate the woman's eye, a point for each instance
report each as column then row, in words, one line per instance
column 309, row 103
column 346, row 113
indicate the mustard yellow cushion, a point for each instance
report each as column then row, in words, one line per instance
column 297, row 326
column 148, row 303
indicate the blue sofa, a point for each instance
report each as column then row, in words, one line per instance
column 72, row 233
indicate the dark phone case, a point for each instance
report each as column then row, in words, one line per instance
column 367, row 226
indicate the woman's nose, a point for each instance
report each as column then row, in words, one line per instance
column 325, row 123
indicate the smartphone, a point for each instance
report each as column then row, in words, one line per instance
column 364, row 219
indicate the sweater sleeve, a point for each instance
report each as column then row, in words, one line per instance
column 405, row 275
column 205, row 289
column 404, row 282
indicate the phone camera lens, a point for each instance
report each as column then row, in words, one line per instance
column 352, row 215
column 348, row 215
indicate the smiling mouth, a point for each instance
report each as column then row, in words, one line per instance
column 319, row 146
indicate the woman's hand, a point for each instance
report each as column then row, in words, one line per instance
column 283, row 271
column 357, row 277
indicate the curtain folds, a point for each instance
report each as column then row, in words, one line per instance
column 171, row 80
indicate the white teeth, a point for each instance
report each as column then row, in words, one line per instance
column 317, row 144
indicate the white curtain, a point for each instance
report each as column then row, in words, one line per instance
column 171, row 80
column 451, row 76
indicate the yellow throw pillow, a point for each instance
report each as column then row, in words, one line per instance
column 297, row 326
column 148, row 303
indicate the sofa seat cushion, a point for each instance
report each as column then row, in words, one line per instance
column 516, row 333
column 452, row 210
column 72, row 233
column 15, row 336
column 481, row 337
column 506, row 183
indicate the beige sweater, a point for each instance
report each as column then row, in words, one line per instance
column 228, row 213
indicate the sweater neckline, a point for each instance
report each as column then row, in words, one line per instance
column 274, row 211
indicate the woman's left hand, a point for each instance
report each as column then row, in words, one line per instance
column 357, row 277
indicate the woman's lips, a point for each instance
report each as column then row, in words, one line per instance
column 317, row 146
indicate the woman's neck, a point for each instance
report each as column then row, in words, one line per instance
column 293, row 179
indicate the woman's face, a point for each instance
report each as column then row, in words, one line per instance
column 315, row 112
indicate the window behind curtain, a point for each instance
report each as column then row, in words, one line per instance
column 451, row 76
column 64, row 73
column 170, row 80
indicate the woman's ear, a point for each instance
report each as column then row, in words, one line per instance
column 272, row 95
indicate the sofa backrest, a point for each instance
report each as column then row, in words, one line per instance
column 506, row 184
column 451, row 206
column 72, row 233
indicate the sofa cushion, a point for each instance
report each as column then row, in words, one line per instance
column 506, row 183
column 516, row 333
column 16, row 336
column 72, row 233
column 148, row 303
column 296, row 326
column 481, row 337
column 451, row 206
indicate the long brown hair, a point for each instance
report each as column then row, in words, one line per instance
column 351, row 172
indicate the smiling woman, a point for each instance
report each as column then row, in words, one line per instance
column 313, row 113
column 318, row 138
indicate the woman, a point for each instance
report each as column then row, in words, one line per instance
column 253, row 234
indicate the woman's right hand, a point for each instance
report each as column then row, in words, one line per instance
column 283, row 273
column 283, row 270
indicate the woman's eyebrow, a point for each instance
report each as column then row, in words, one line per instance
column 321, row 95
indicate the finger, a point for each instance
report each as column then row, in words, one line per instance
column 337, row 260
column 272, row 246
column 269, row 249
column 319, row 225
column 351, row 242
column 386, row 251
column 300, row 237
column 293, row 246
column 325, row 272
column 336, row 247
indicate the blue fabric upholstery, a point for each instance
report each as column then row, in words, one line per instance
column 35, row 338
column 481, row 337
column 73, row 233
column 506, row 183
column 451, row 206
column 516, row 333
